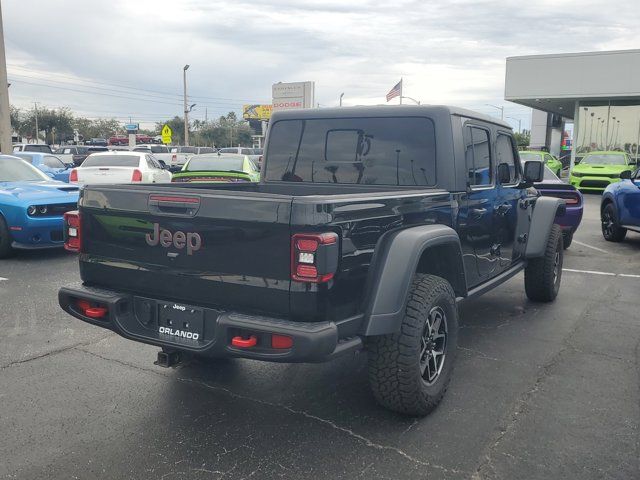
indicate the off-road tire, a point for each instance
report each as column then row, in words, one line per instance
column 567, row 238
column 613, row 232
column 395, row 360
column 5, row 239
column 542, row 275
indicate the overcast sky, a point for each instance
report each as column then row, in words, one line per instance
column 121, row 58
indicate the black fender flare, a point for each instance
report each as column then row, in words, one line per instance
column 392, row 271
column 542, row 219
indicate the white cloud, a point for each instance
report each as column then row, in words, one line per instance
column 447, row 52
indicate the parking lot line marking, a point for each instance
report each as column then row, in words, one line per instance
column 590, row 246
column 628, row 275
column 2, row 279
column 608, row 274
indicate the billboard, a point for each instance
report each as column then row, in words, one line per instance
column 256, row 112
column 287, row 96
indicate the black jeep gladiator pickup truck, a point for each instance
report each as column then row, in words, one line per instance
column 368, row 227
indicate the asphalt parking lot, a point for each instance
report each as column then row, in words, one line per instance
column 539, row 391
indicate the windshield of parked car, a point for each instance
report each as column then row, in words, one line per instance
column 53, row 162
column 37, row 148
column 526, row 156
column 549, row 175
column 217, row 163
column 111, row 161
column 366, row 151
column 13, row 169
column 604, row 159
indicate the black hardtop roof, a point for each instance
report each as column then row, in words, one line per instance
column 384, row 111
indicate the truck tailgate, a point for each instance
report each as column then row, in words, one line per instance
column 188, row 245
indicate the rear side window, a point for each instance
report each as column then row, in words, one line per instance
column 368, row 151
column 504, row 154
column 111, row 161
column 52, row 162
column 478, row 156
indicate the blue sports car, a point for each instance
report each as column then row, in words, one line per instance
column 620, row 207
column 31, row 206
column 48, row 163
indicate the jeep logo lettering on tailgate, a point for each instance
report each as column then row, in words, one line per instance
column 180, row 240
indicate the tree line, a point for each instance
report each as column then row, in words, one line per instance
column 58, row 126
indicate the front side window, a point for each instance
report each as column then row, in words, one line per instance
column 368, row 151
column 478, row 156
column 505, row 156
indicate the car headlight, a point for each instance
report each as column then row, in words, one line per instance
column 576, row 174
column 42, row 209
column 31, row 210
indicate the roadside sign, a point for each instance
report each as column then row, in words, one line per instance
column 131, row 127
column 256, row 112
column 166, row 134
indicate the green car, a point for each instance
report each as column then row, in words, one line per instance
column 549, row 160
column 216, row 168
column 597, row 170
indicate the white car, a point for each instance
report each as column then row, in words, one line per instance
column 120, row 167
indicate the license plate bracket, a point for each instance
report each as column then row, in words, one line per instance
column 181, row 322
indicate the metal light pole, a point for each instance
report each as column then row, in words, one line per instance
column 5, row 116
column 519, row 123
column 341, row 95
column 186, row 111
column 35, row 109
column 499, row 108
column 591, row 130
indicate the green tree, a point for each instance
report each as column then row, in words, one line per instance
column 523, row 138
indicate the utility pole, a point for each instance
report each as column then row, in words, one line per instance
column 5, row 115
column 35, row 109
column 499, row 108
column 519, row 123
column 186, row 112
column 341, row 95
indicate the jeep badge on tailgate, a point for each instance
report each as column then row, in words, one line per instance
column 179, row 239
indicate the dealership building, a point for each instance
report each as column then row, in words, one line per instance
column 598, row 91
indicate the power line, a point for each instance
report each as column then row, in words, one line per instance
column 146, row 90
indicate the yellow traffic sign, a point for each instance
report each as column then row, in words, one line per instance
column 166, row 134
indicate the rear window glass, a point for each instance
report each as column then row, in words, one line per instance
column 111, row 161
column 228, row 150
column 367, row 151
column 206, row 150
column 37, row 148
column 187, row 149
column 215, row 163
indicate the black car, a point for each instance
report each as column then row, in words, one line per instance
column 367, row 229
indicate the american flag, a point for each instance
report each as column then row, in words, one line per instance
column 396, row 91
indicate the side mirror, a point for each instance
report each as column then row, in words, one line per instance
column 625, row 175
column 533, row 171
column 504, row 174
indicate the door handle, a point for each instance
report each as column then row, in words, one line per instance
column 478, row 212
column 503, row 209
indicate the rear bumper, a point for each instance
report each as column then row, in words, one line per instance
column 136, row 318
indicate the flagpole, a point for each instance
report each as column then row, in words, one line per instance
column 400, row 90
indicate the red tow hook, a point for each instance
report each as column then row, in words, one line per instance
column 95, row 312
column 240, row 342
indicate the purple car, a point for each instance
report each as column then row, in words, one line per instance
column 569, row 221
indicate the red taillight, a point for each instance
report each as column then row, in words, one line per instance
column 73, row 176
column 570, row 198
column 136, row 176
column 314, row 257
column 72, row 231
column 174, row 158
column 281, row 342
